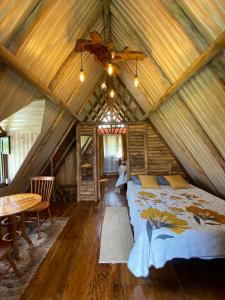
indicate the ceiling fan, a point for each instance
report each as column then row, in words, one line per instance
column 106, row 53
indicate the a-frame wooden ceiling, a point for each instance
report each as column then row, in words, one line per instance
column 123, row 107
column 184, row 69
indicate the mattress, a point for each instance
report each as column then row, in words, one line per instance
column 169, row 223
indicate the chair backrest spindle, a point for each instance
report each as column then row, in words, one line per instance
column 42, row 185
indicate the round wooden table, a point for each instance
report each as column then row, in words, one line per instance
column 12, row 205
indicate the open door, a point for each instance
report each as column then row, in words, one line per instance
column 87, row 179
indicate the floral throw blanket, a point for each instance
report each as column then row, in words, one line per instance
column 174, row 224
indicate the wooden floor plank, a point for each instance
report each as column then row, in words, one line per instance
column 107, row 283
column 49, row 282
column 80, row 279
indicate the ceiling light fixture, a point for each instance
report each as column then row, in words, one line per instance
column 82, row 77
column 103, row 86
column 136, row 81
column 112, row 93
column 113, row 54
column 110, row 69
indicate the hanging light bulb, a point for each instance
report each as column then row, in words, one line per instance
column 136, row 81
column 103, row 86
column 112, row 93
column 113, row 54
column 110, row 69
column 82, row 77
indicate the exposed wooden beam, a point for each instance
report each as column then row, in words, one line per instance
column 107, row 20
column 11, row 61
column 204, row 58
column 200, row 42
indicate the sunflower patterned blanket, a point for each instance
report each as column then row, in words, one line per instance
column 170, row 223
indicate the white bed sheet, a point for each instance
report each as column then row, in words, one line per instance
column 122, row 176
column 199, row 240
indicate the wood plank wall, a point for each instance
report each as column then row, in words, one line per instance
column 148, row 153
column 137, row 149
column 67, row 173
column 161, row 159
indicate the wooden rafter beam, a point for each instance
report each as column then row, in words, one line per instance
column 107, row 20
column 12, row 62
column 204, row 58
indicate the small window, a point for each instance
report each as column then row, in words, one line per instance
column 4, row 151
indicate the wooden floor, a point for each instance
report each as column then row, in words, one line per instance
column 71, row 269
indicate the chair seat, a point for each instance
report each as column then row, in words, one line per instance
column 4, row 248
column 39, row 207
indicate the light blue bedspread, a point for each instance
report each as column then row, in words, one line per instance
column 168, row 223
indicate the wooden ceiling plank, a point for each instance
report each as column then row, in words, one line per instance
column 183, row 20
column 11, row 61
column 195, row 36
column 43, row 10
column 204, row 58
column 68, row 59
column 140, row 42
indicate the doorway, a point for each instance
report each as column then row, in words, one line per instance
column 112, row 150
column 112, row 155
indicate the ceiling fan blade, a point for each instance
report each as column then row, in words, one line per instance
column 126, row 54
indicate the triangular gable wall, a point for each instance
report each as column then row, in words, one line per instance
column 123, row 106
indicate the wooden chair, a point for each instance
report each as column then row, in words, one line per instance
column 41, row 185
column 4, row 253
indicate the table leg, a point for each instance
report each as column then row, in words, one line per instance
column 14, row 237
column 23, row 229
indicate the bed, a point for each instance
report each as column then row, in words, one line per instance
column 174, row 223
column 122, row 175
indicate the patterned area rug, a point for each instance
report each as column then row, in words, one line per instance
column 31, row 256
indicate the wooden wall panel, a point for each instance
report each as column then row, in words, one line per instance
column 67, row 173
column 148, row 153
column 20, row 144
column 137, row 149
column 161, row 160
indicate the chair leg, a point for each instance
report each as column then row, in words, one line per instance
column 50, row 215
column 39, row 230
column 13, row 265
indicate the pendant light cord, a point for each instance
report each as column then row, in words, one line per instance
column 136, row 68
column 81, row 60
